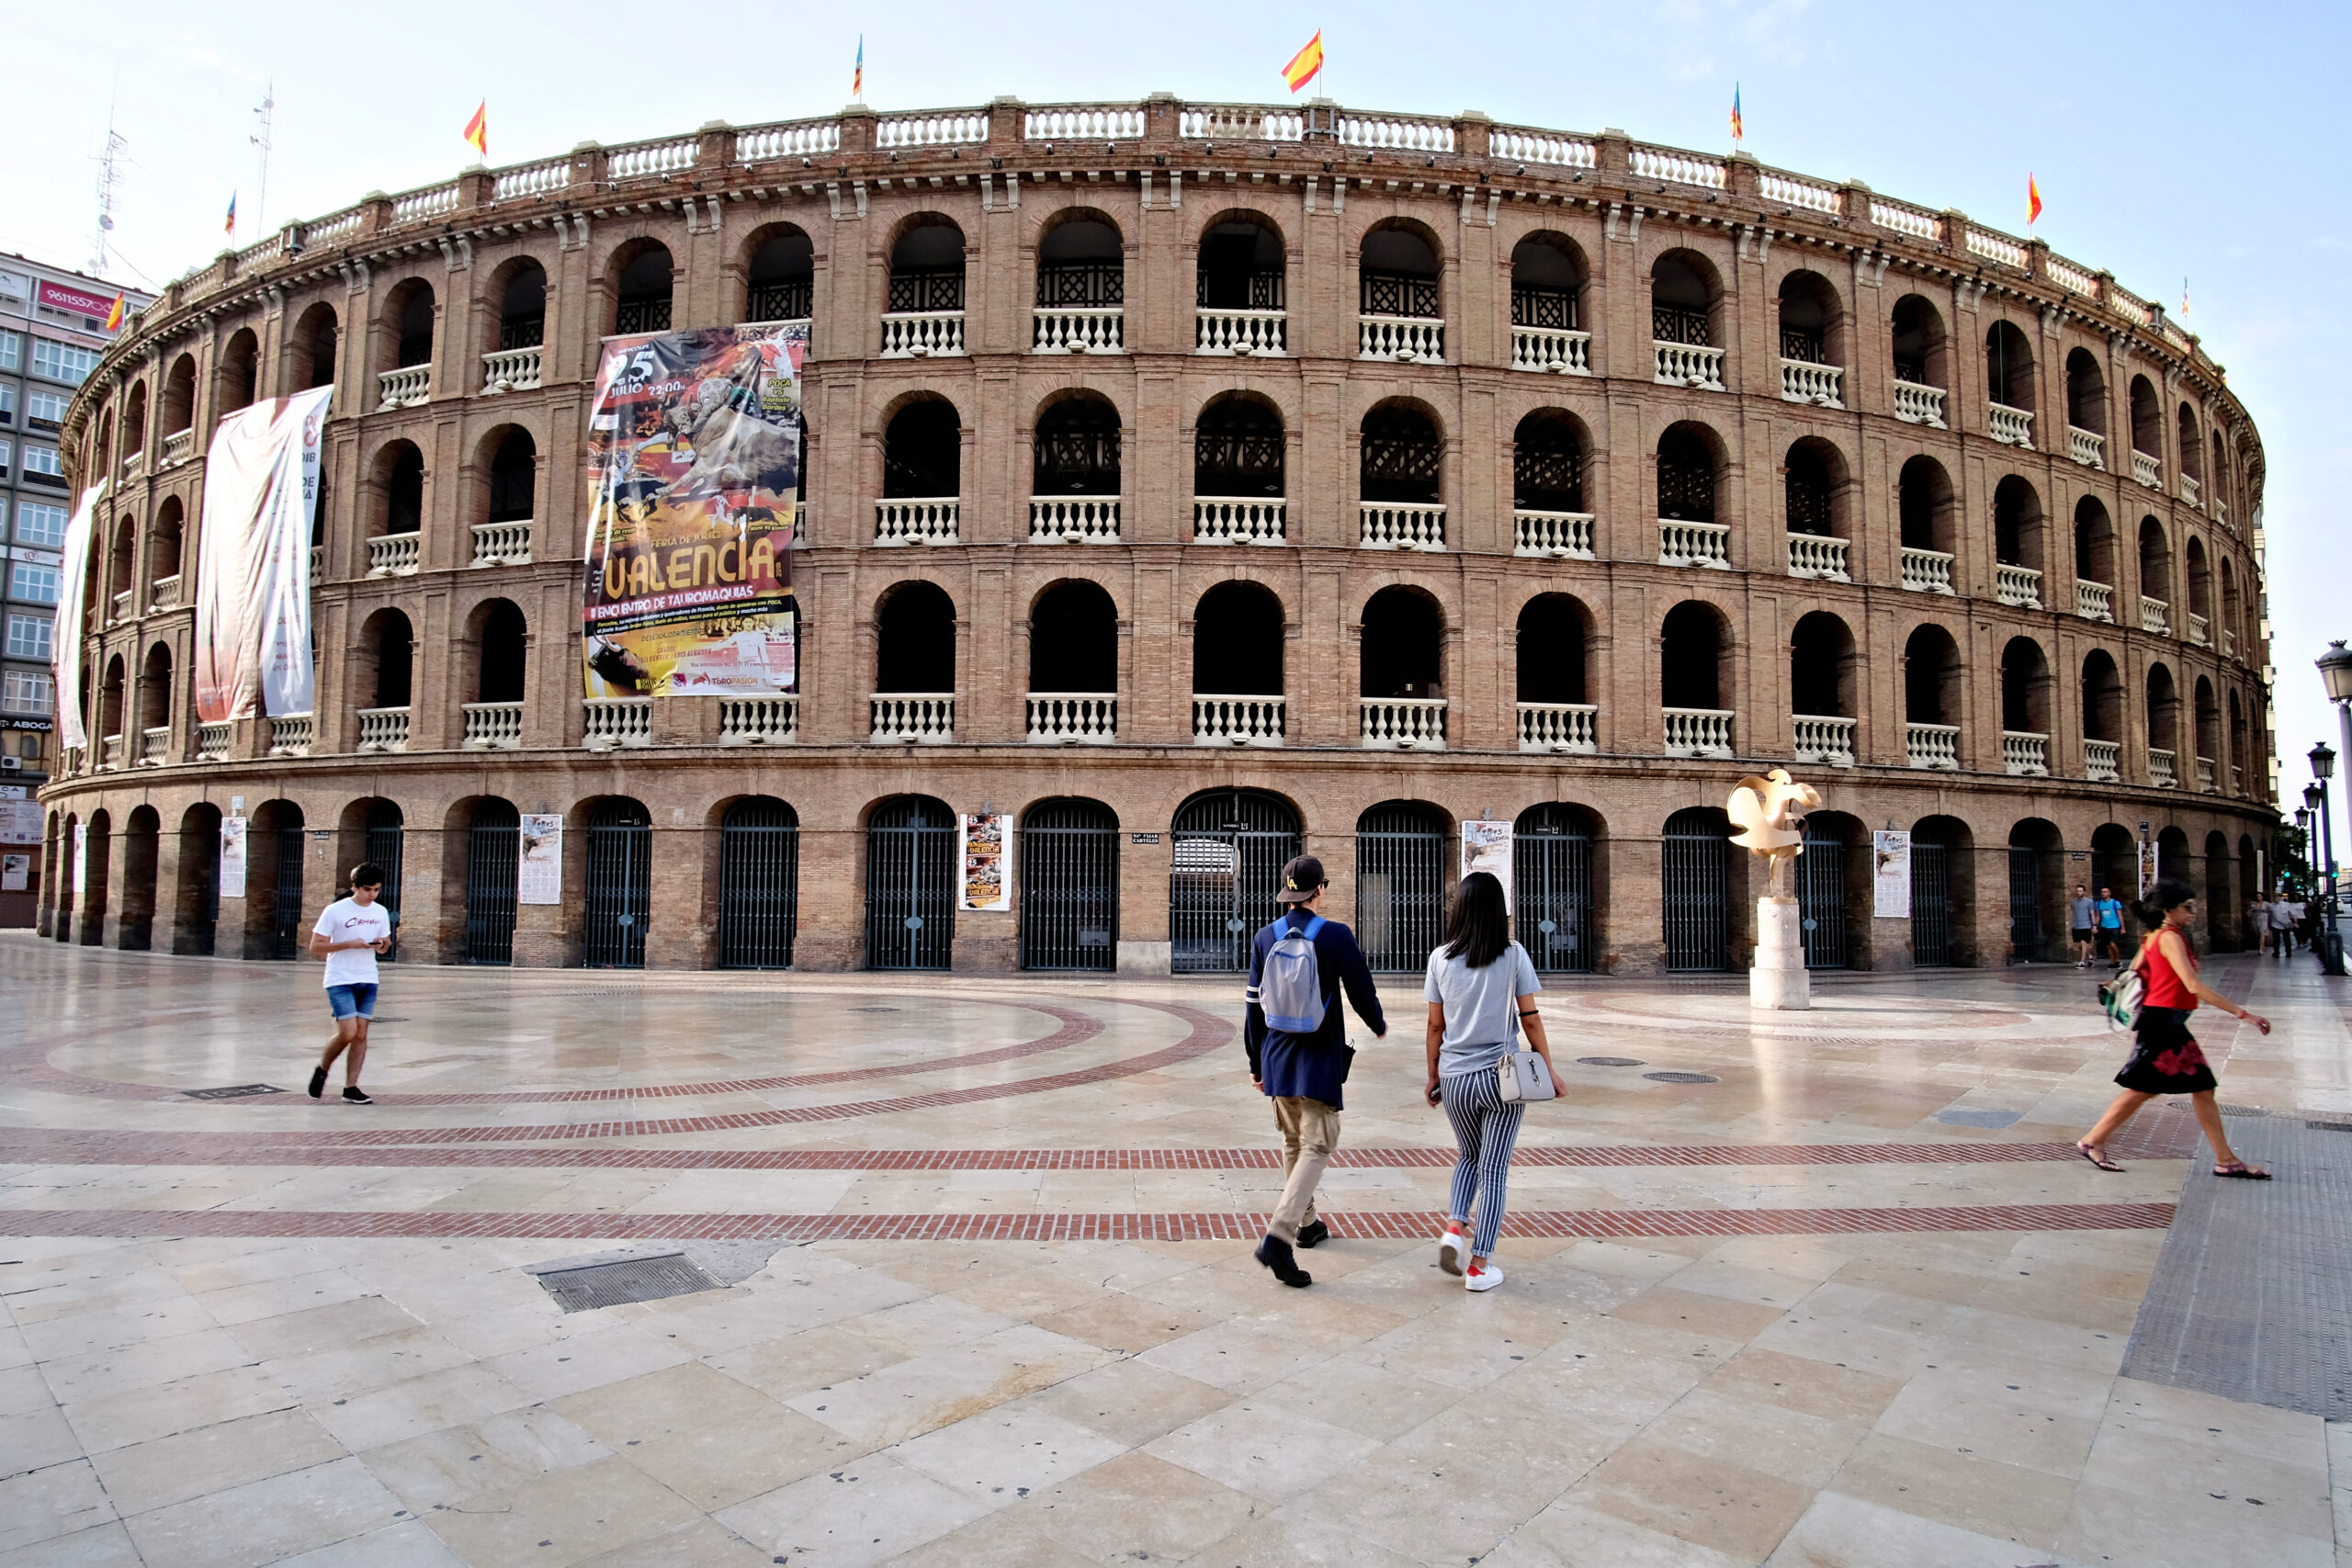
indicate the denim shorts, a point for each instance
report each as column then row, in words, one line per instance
column 352, row 1001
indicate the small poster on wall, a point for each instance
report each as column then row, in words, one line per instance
column 15, row 873
column 2147, row 866
column 232, row 857
column 1891, row 876
column 81, row 859
column 1485, row 846
column 986, row 852
column 539, row 870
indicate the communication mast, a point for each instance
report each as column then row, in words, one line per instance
column 261, row 138
column 107, row 179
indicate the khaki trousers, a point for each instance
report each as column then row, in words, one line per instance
column 1310, row 1132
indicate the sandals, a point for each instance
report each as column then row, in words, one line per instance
column 2243, row 1172
column 2098, row 1159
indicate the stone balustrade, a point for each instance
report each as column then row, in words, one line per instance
column 612, row 723
column 291, row 734
column 1688, row 364
column 1073, row 718
column 1241, row 332
column 2199, row 630
column 2147, row 471
column 502, row 544
column 1560, row 536
column 2024, row 754
column 1698, row 732
column 2229, row 643
column 759, row 721
column 1567, row 728
column 394, row 555
column 178, row 447
column 2191, row 490
column 2011, row 427
column 1405, row 340
column 1820, row 385
column 1400, row 525
column 212, row 740
column 2206, row 779
column 1074, row 519
column 2086, row 447
column 318, row 563
column 2102, row 761
column 1239, row 520
column 2155, row 616
column 1935, row 746
column 112, row 754
column 1402, row 724
column 1915, row 404
column 492, row 727
column 934, row 520
column 1818, row 555
column 411, row 385
column 119, row 608
column 155, row 746
column 2020, row 586
column 511, row 370
column 133, row 464
column 1551, row 349
column 1694, row 544
column 2094, row 600
column 1822, row 738
column 1927, row 572
column 921, row 334
column 1237, row 720
column 912, row 718
column 2160, row 772
column 165, row 594
column 383, row 730
column 1067, row 328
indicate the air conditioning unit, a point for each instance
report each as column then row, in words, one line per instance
column 12, row 764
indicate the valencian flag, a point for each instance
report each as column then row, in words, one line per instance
column 857, row 74
column 114, row 316
column 477, row 128
column 231, row 227
column 1305, row 63
column 1738, row 130
column 2033, row 200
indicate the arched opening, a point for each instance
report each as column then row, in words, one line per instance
column 2164, row 724
column 514, row 478
column 141, row 842
column 408, row 325
column 2025, row 708
column 643, row 282
column 1932, row 698
column 1401, row 885
column 2017, row 531
column 179, row 398
column 616, row 895
column 1547, row 463
column 2207, row 712
column 2037, row 890
column 1682, row 299
column 164, row 547
column 759, row 883
column 2094, row 555
column 1924, row 505
column 2250, row 888
column 238, row 377
column 275, row 844
column 110, row 700
column 400, row 476
column 387, row 652
column 1695, row 890
column 1396, row 273
column 2230, row 611
column 2221, row 908
column 1919, row 346
column 375, row 830
column 1812, row 319
column 2008, row 368
column 2086, row 404
column 1081, row 264
column 1077, row 449
column 1238, row 641
column 97, row 850
column 493, row 846
column 2237, row 746
column 501, row 636
column 1238, row 453
column 312, row 347
column 1553, row 630
column 1691, row 651
column 1074, row 640
column 927, row 266
column 121, row 561
column 914, row 642
column 1821, row 685
column 922, row 452
column 2172, row 856
column 1227, row 850
column 1241, row 268
column 195, row 905
column 1828, row 902
column 2147, row 419
column 2155, row 575
column 1069, row 868
column 1555, row 907
column 911, row 842
column 1402, row 458
column 1547, row 278
column 1815, row 491
column 1686, row 474
column 155, row 703
column 2200, row 590
column 1400, row 647
column 2115, row 865
column 781, row 286
column 523, row 309
column 2102, row 702
column 1942, row 891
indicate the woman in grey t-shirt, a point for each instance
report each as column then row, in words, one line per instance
column 1481, row 990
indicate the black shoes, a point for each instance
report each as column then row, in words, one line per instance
column 352, row 1094
column 318, row 1082
column 1314, row 1235
column 1276, row 1254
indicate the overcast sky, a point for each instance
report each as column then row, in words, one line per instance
column 2171, row 140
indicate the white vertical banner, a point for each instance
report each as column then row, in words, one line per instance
column 538, row 867
column 65, row 649
column 81, row 859
column 232, row 857
column 15, row 873
column 1487, row 846
column 1891, row 876
column 985, row 851
column 253, row 585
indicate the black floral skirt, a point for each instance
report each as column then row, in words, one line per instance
column 2165, row 1056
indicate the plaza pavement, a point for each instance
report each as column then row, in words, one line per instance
column 985, row 1294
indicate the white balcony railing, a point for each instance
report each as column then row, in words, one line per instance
column 1074, row 519
column 1694, row 544
column 511, row 370
column 1239, row 520
column 1688, row 364
column 1933, row 745
column 759, row 721
column 165, row 595
column 1698, row 732
column 1820, row 738
column 131, row 466
column 935, row 521
column 2018, row 585
column 383, row 730
column 609, row 723
column 408, row 387
column 2155, row 616
column 212, row 738
column 1915, row 404
column 120, row 607
column 2086, row 447
column 2094, row 600
column 179, row 447
column 111, row 754
column 1073, row 718
column 2205, row 776
column 1817, row 555
column 155, row 746
column 2024, row 754
column 2229, row 643
column 289, row 735
column 1927, row 572
column 2237, row 778
column 494, row 726
column 1803, row 382
column 912, row 718
column 1242, row 332
column 1398, row 525
column 2012, row 427
column 502, row 544
column 1562, row 535
column 1570, row 728
column 318, row 563
column 1551, row 349
column 921, row 334
column 1237, row 721
column 2160, row 772
column 394, row 555
column 2189, row 489
column 2148, row 470
column 1066, row 328
column 2102, row 761
column 1402, row 724
column 2199, row 630
column 1407, row 340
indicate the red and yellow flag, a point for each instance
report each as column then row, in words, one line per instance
column 477, row 128
column 2033, row 200
column 114, row 316
column 1305, row 63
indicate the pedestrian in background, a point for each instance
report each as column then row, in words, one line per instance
column 2282, row 926
column 350, row 933
column 2110, row 925
column 2257, row 924
column 2083, row 912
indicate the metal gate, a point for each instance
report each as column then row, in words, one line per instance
column 384, row 849
column 286, row 924
column 2025, row 905
column 1069, row 887
column 1930, row 904
column 492, row 844
column 1696, row 885
column 759, row 884
column 1821, row 902
column 1552, row 905
column 200, row 877
column 1400, row 886
column 909, row 885
column 1228, row 847
column 619, row 898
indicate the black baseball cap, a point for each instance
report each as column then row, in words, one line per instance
column 1300, row 877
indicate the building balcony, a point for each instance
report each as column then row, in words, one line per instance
column 1935, row 746
column 2155, row 616
column 178, row 447
column 2011, row 427
column 1820, row 385
column 2147, row 471
column 2229, row 643
column 1400, row 525
column 1239, row 520
column 2199, row 630
column 2191, row 490
column 921, row 334
column 2160, row 772
column 2102, row 761
column 133, row 464
column 291, row 734
column 502, row 544
column 155, row 746
column 1559, row 535
column 1073, row 718
column 2025, row 755
column 212, row 738
column 912, row 719
column 1915, row 404
column 111, row 754
column 2086, row 447
column 383, row 730
column 1694, row 544
column 411, row 385
column 394, row 555
column 1237, row 721
column 759, row 721
column 2018, row 585
column 934, row 520
column 1819, row 737
column 164, row 595
column 318, row 563
column 1241, row 332
column 1551, row 349
column 1927, row 572
column 610, row 724
column 1687, row 365
column 2094, row 600
column 1079, row 329
column 1402, row 724
column 1405, row 340
column 511, row 370
column 1074, row 519
column 2207, row 777
column 494, row 726
column 1565, row 729
column 1818, row 555
column 119, row 608
column 1698, row 732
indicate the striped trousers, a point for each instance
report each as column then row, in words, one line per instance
column 1486, row 1127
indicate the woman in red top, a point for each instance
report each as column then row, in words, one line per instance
column 2165, row 1056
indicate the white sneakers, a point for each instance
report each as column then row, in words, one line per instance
column 1482, row 1278
column 1452, row 1251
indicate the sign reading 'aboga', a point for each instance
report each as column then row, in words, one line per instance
column 253, row 579
column 694, row 461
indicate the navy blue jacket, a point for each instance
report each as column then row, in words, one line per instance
column 1311, row 1066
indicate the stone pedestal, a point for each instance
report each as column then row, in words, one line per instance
column 1778, row 980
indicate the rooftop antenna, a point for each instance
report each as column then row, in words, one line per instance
column 107, row 178
column 260, row 138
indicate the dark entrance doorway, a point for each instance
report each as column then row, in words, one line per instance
column 1229, row 846
column 909, row 885
column 1069, row 886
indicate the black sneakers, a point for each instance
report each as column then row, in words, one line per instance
column 1310, row 1235
column 352, row 1094
column 1276, row 1254
column 318, row 1082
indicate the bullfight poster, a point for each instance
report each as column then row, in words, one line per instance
column 539, row 864
column 252, row 575
column 1487, row 846
column 1891, row 875
column 986, row 856
column 693, row 458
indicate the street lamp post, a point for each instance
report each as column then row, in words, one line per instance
column 2335, row 674
column 2330, row 940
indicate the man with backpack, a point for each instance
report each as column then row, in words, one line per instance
column 1299, row 1054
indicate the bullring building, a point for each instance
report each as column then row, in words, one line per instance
column 1189, row 485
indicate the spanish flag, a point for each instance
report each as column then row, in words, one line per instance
column 2033, row 200
column 1305, row 63
column 477, row 128
column 114, row 316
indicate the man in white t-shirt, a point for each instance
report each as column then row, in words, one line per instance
column 348, row 936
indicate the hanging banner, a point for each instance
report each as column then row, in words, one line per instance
column 1891, row 876
column 538, row 871
column 2147, row 866
column 1485, row 846
column 65, row 648
column 15, row 873
column 253, row 574
column 694, row 468
column 232, row 857
column 81, row 859
column 985, row 850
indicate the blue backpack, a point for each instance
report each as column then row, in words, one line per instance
column 1290, row 988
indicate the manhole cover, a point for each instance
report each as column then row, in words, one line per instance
column 1681, row 1078
column 630, row 1279
column 1610, row 1061
column 874, row 1009
column 2328, row 1126
column 386, row 1018
column 235, row 1091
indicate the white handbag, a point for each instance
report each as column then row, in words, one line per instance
column 1521, row 1075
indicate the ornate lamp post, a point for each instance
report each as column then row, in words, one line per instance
column 2331, row 938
